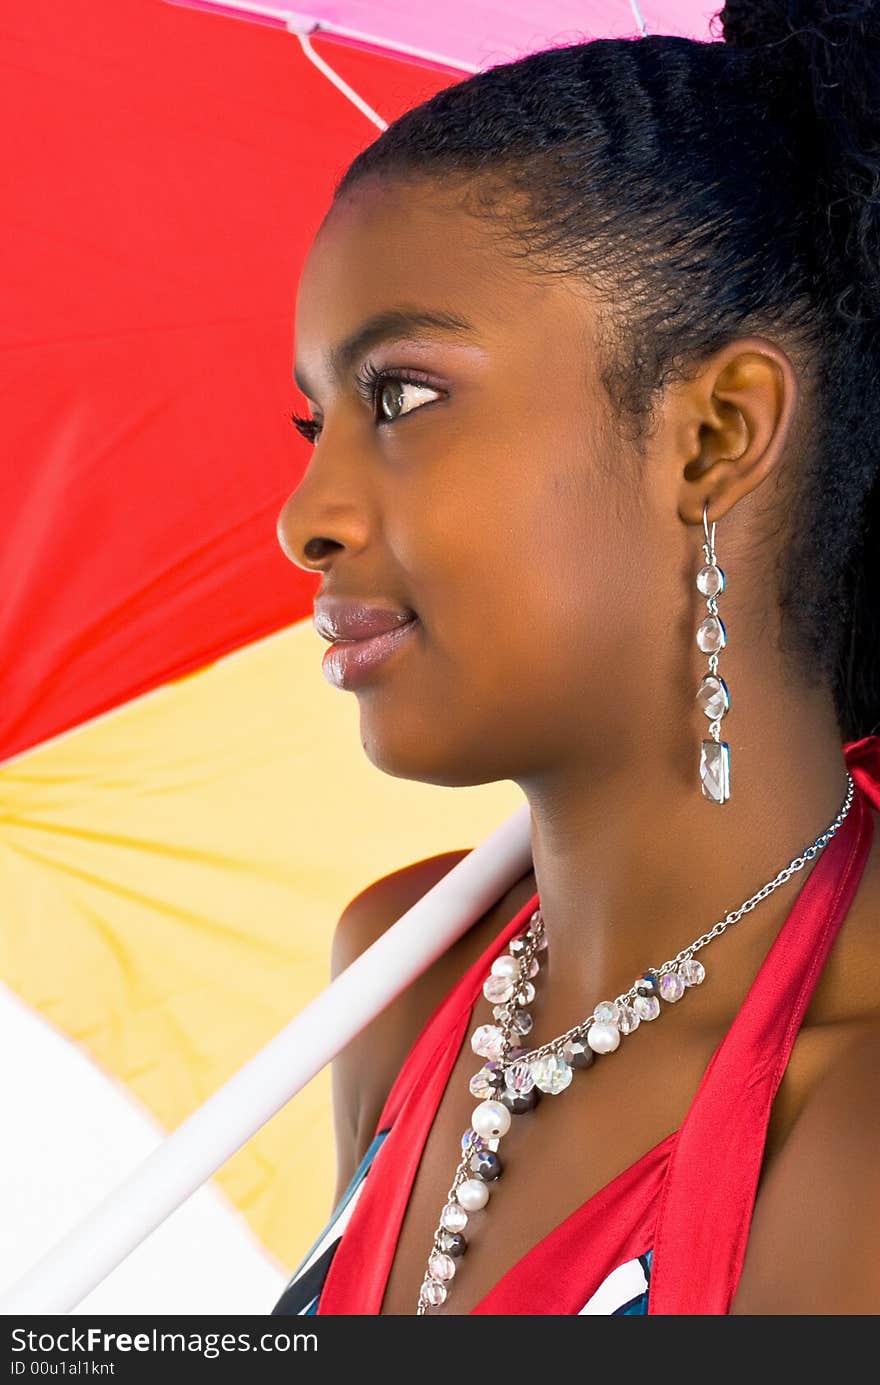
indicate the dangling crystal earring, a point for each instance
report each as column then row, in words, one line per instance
column 712, row 694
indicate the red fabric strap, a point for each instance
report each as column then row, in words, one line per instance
column 706, row 1207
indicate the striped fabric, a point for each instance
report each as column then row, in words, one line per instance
column 624, row 1292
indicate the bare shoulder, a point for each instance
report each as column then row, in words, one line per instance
column 367, row 916
column 814, row 1245
column 363, row 1073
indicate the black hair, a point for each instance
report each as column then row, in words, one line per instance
column 711, row 189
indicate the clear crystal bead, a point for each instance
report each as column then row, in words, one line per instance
column 433, row 1292
column 711, row 635
column 628, row 1021
column 526, row 994
column 710, row 579
column 519, row 1079
column 692, row 972
column 453, row 1217
column 552, row 1073
column 470, row 1140
column 505, row 966
column 488, row 1041
column 672, row 986
column 441, row 1266
column 498, row 989
column 607, row 1012
column 517, row 946
column 522, row 1022
column 713, row 697
column 647, row 1007
column 533, row 968
column 715, row 770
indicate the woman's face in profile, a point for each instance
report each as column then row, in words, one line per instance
column 474, row 476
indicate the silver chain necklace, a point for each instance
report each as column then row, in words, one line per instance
column 513, row 1078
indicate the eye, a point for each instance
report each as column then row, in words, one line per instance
column 376, row 388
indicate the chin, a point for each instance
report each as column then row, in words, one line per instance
column 421, row 755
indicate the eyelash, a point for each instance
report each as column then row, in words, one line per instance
column 369, row 380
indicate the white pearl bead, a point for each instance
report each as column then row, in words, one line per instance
column 603, row 1038
column 491, row 1119
column 473, row 1194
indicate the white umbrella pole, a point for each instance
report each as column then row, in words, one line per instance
column 212, row 1134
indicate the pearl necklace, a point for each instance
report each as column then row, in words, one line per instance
column 512, row 1079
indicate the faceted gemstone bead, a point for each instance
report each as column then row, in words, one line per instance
column 441, row 1266
column 710, row 579
column 485, row 1165
column 453, row 1243
column 488, row 1041
column 552, row 1074
column 711, row 634
column 526, row 994
column 647, row 983
column 520, row 1102
column 491, row 1120
column 535, row 932
column 533, row 968
column 505, row 966
column 647, row 1007
column 522, row 1022
column 517, row 946
column 433, row 1292
column 486, row 1082
column 672, row 986
column 607, row 1012
column 603, row 1038
column 470, row 1140
column 715, row 770
column 453, row 1217
column 713, row 697
column 473, row 1194
column 577, row 1053
column 692, row 972
column 498, row 989
column 628, row 1021
column 519, row 1078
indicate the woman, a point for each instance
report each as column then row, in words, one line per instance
column 560, row 322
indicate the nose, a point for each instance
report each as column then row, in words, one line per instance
column 325, row 513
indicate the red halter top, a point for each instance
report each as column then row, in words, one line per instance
column 690, row 1198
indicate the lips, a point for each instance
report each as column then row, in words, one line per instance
column 351, row 664
column 338, row 619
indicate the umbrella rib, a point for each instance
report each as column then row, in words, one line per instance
column 340, row 82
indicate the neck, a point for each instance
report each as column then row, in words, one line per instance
column 633, row 864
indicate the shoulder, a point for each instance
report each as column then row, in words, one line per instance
column 381, row 904
column 814, row 1244
column 363, row 1072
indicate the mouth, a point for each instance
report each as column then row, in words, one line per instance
column 349, row 664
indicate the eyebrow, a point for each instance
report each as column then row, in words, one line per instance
column 394, row 322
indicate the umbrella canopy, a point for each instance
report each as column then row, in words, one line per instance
column 186, row 807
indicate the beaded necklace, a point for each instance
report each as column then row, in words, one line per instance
column 513, row 1078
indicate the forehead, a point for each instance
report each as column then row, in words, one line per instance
column 390, row 238
column 387, row 243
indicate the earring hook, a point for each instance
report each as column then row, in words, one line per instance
column 710, row 541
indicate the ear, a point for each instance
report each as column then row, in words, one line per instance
column 733, row 420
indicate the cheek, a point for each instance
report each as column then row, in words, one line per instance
column 513, row 573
